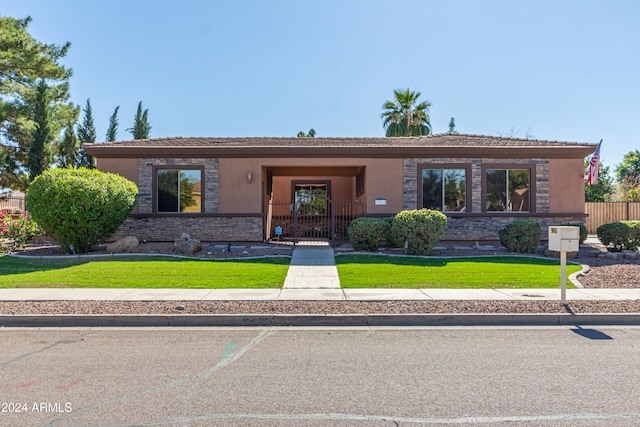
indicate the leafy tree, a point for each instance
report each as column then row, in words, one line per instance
column 311, row 134
column 603, row 190
column 86, row 133
column 630, row 166
column 40, row 156
column 112, row 131
column 513, row 133
column 141, row 128
column 68, row 148
column 23, row 63
column 404, row 116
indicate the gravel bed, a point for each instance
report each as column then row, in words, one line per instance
column 602, row 273
column 313, row 307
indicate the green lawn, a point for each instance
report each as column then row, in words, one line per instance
column 142, row 273
column 377, row 271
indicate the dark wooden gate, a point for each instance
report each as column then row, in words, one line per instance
column 326, row 221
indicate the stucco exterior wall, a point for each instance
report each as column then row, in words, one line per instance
column 127, row 168
column 566, row 185
column 383, row 178
column 342, row 187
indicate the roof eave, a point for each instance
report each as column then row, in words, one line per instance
column 560, row 152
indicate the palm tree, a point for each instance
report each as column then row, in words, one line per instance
column 404, row 116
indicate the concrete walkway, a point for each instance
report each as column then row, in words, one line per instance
column 313, row 266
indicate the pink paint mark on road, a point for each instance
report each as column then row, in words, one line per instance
column 29, row 384
column 71, row 384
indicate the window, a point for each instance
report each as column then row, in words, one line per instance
column 310, row 199
column 179, row 190
column 444, row 190
column 508, row 190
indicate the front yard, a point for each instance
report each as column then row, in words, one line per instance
column 355, row 271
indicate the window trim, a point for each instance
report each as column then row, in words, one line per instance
column 510, row 166
column 468, row 203
column 154, row 188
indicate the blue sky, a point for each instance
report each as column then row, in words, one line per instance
column 560, row 69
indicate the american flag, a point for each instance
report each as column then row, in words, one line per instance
column 594, row 166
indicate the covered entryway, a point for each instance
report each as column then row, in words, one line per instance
column 312, row 203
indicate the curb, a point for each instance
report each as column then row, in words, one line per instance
column 269, row 320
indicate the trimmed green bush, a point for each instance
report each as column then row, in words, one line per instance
column 421, row 229
column 521, row 236
column 621, row 235
column 365, row 234
column 583, row 231
column 80, row 207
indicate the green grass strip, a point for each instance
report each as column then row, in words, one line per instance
column 379, row 271
column 142, row 272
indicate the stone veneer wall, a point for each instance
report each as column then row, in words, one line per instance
column 206, row 226
column 478, row 228
column 145, row 180
column 480, row 225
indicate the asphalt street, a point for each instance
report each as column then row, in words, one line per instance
column 554, row 376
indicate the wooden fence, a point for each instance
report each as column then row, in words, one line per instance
column 606, row 212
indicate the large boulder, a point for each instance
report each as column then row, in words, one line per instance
column 186, row 245
column 126, row 244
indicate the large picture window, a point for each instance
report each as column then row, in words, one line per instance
column 508, row 190
column 179, row 190
column 444, row 190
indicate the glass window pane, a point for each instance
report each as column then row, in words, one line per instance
column 519, row 190
column 432, row 189
column 496, row 197
column 311, row 199
column 190, row 191
column 167, row 190
column 455, row 188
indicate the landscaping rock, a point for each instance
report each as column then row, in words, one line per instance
column 554, row 254
column 612, row 255
column 186, row 245
column 126, row 244
column 631, row 255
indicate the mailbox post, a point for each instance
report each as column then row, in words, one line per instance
column 564, row 239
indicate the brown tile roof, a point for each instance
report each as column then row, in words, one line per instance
column 438, row 140
column 432, row 145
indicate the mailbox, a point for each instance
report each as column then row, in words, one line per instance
column 564, row 238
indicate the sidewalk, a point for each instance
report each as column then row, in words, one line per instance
column 300, row 294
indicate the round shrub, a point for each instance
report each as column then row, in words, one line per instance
column 365, row 234
column 80, row 207
column 621, row 235
column 420, row 229
column 521, row 236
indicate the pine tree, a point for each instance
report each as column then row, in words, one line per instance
column 68, row 148
column 39, row 154
column 86, row 133
column 113, row 126
column 452, row 125
column 141, row 128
